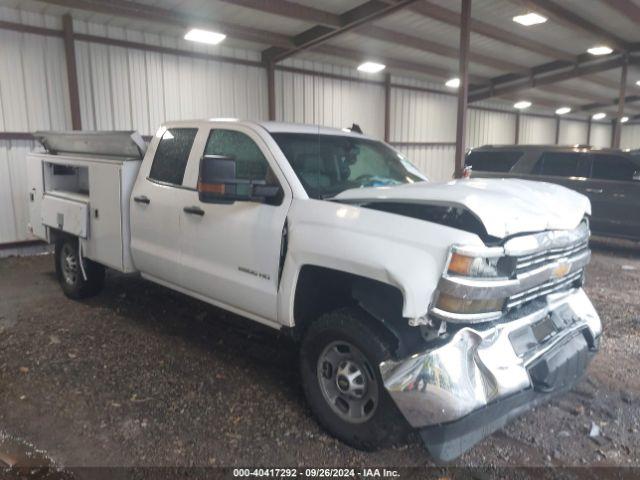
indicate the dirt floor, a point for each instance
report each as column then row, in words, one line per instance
column 143, row 376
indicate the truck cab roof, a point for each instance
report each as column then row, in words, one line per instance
column 271, row 126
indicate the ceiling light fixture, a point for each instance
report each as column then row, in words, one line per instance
column 529, row 19
column 453, row 83
column 599, row 116
column 600, row 50
column 204, row 36
column 563, row 110
column 522, row 104
column 371, row 67
column 624, row 119
column 638, row 83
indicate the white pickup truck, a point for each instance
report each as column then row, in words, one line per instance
column 444, row 308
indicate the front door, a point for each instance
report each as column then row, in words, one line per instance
column 231, row 252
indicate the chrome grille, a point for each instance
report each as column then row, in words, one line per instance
column 552, row 286
column 526, row 263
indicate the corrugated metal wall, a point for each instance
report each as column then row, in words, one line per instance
column 600, row 135
column 572, row 132
column 304, row 98
column 123, row 88
column 537, row 130
column 422, row 117
column 33, row 96
column 490, row 128
column 630, row 137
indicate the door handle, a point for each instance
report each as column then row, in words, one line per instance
column 142, row 199
column 593, row 190
column 194, row 210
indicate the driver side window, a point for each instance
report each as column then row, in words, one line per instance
column 251, row 163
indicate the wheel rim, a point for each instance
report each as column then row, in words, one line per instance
column 347, row 381
column 69, row 264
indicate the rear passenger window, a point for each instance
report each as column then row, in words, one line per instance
column 612, row 167
column 497, row 161
column 172, row 154
column 558, row 164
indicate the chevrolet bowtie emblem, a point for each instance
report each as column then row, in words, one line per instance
column 562, row 269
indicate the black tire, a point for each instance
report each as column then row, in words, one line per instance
column 385, row 426
column 69, row 273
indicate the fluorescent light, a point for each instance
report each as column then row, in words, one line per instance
column 371, row 67
column 204, row 36
column 624, row 119
column 529, row 19
column 522, row 104
column 599, row 116
column 600, row 50
column 453, row 83
column 563, row 110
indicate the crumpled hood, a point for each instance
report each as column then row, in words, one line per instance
column 505, row 206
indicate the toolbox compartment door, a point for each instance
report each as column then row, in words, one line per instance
column 66, row 212
column 36, row 190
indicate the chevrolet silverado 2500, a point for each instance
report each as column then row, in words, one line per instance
column 446, row 308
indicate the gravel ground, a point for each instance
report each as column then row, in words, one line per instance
column 141, row 376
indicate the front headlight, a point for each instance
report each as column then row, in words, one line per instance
column 468, row 306
column 493, row 264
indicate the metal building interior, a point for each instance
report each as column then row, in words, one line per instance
column 142, row 376
column 96, row 65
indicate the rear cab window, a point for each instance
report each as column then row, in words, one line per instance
column 493, row 161
column 172, row 154
column 613, row 167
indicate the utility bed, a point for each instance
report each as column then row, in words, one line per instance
column 81, row 184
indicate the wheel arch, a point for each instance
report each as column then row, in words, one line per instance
column 320, row 290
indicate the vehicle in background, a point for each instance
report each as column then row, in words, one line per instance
column 447, row 308
column 610, row 178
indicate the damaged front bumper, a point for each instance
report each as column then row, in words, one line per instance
column 480, row 377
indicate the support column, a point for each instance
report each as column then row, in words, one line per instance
column 463, row 90
column 617, row 126
column 558, row 130
column 72, row 71
column 589, row 131
column 517, row 135
column 387, row 107
column 271, row 90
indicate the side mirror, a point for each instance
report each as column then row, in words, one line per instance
column 217, row 183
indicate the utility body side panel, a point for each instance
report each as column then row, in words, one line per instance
column 86, row 196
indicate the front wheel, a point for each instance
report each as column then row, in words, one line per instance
column 339, row 361
column 70, row 276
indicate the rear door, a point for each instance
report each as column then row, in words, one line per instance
column 569, row 169
column 155, row 210
column 231, row 252
column 614, row 194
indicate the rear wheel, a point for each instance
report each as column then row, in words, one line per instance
column 339, row 356
column 69, row 273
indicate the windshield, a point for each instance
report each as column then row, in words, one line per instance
column 329, row 164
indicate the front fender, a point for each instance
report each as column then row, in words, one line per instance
column 404, row 252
